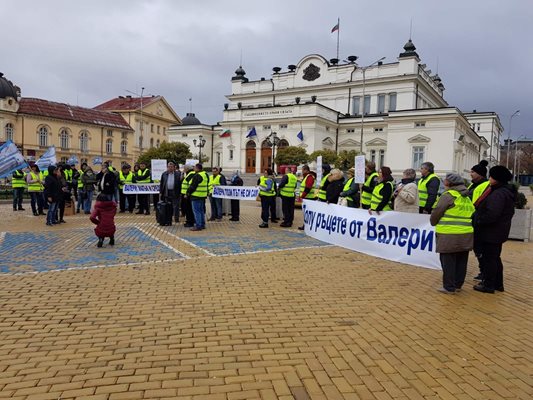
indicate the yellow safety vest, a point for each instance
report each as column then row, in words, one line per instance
column 36, row 186
column 263, row 184
column 80, row 182
column 68, row 175
column 423, row 191
column 321, row 191
column 347, row 187
column 213, row 181
column 126, row 179
column 377, row 197
column 203, row 186
column 311, row 195
column 457, row 219
column 186, row 182
column 141, row 173
column 290, row 187
column 366, row 198
column 479, row 190
column 18, row 180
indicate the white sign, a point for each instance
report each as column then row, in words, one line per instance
column 318, row 171
column 359, row 169
column 158, row 167
column 402, row 237
column 191, row 161
column 236, row 192
column 141, row 188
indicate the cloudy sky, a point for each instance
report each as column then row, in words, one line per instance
column 88, row 52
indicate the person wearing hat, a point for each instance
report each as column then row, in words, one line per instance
column 479, row 184
column 350, row 190
column 492, row 220
column 326, row 169
column 371, row 181
column 406, row 193
column 452, row 218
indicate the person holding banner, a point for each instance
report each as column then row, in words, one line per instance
column 452, row 218
column 369, row 185
column 125, row 176
column 324, row 183
column 335, row 186
column 406, row 194
column 350, row 191
column 35, row 189
column 143, row 176
column 287, row 187
column 267, row 194
column 216, row 179
column 236, row 180
column 382, row 193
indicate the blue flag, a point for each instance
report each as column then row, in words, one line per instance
column 300, row 135
column 47, row 159
column 97, row 161
column 252, row 133
column 73, row 160
column 11, row 159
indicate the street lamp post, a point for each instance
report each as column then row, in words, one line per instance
column 515, row 171
column 363, row 114
column 517, row 112
column 200, row 144
column 273, row 140
column 142, row 123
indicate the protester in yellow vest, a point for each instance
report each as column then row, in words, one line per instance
column 186, row 204
column 350, row 191
column 216, row 179
column 143, row 176
column 479, row 184
column 267, row 194
column 307, row 187
column 286, row 188
column 18, row 183
column 452, row 218
column 197, row 192
column 382, row 194
column 371, row 180
column 35, row 189
column 428, row 188
column 324, row 182
column 125, row 177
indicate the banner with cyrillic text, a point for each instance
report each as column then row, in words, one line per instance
column 141, row 188
column 402, row 237
column 236, row 192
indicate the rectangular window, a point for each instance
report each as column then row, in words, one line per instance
column 164, row 131
column 350, row 130
column 392, row 101
column 231, row 154
column 266, row 127
column 418, row 156
column 367, row 105
column 420, row 124
column 381, row 158
column 110, row 133
column 283, row 126
column 356, row 108
column 373, row 156
column 64, row 159
column 378, row 129
column 158, row 130
column 124, row 135
column 184, row 135
column 151, row 128
column 381, row 103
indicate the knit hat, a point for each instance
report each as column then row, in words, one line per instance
column 500, row 174
column 454, row 179
column 481, row 168
column 351, row 171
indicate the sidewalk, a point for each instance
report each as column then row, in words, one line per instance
column 225, row 314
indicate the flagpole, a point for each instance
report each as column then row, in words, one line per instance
column 338, row 35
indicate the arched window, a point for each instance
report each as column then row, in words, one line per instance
column 157, row 143
column 64, row 139
column 124, row 147
column 109, row 146
column 43, row 136
column 151, row 142
column 283, row 143
column 10, row 132
column 250, row 144
column 265, row 144
column 84, row 141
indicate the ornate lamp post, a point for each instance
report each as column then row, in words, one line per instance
column 273, row 141
column 200, row 144
column 517, row 112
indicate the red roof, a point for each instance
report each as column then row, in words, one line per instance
column 122, row 103
column 50, row 109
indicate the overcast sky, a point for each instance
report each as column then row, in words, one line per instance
column 88, row 52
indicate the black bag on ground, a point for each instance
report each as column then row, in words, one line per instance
column 163, row 213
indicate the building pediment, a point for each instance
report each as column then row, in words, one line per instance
column 349, row 143
column 328, row 141
column 419, row 139
column 376, row 142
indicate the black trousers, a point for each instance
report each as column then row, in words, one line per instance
column 268, row 203
column 477, row 250
column 453, row 269
column 174, row 199
column 186, row 209
column 143, row 203
column 491, row 264
column 287, row 206
column 235, row 209
column 155, row 199
column 122, row 201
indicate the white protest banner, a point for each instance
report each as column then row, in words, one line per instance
column 359, row 169
column 402, row 237
column 11, row 159
column 158, row 167
column 141, row 188
column 318, row 171
column 236, row 192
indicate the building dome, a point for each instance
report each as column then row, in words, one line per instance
column 7, row 89
column 190, row 119
column 240, row 75
column 409, row 50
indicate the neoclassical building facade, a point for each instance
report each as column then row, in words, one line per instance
column 395, row 113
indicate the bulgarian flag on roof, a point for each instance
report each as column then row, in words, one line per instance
column 225, row 133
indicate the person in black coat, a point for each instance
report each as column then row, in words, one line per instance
column 106, row 182
column 52, row 193
column 492, row 223
column 170, row 188
column 236, row 180
column 335, row 186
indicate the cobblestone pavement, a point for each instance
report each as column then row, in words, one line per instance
column 238, row 312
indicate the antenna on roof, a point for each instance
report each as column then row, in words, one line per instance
column 190, row 104
column 240, row 63
column 411, row 29
column 437, row 69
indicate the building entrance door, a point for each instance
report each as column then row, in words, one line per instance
column 266, row 156
column 250, row 157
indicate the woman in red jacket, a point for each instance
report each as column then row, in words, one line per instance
column 103, row 216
